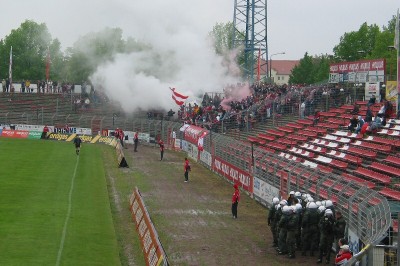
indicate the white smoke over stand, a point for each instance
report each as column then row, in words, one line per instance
column 185, row 60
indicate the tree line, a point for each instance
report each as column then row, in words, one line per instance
column 32, row 42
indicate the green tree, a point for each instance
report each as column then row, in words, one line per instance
column 30, row 43
column 303, row 72
column 356, row 45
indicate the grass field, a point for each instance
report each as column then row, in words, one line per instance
column 54, row 205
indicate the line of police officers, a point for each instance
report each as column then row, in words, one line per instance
column 299, row 223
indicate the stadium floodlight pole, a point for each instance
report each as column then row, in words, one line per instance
column 270, row 65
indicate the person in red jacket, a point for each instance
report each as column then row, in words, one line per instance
column 235, row 201
column 343, row 256
column 45, row 132
column 186, row 167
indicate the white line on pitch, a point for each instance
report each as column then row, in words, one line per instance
column 60, row 250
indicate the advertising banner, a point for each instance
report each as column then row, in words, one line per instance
column 358, row 66
column 264, row 191
column 234, row 174
column 15, row 134
column 371, row 89
column 193, row 151
column 185, row 145
column 358, row 71
column 354, row 242
column 152, row 249
column 178, row 143
column 35, row 134
column 193, row 133
column 206, row 158
column 391, row 92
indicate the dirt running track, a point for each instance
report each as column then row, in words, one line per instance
column 194, row 219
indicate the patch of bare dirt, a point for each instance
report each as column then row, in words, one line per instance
column 194, row 219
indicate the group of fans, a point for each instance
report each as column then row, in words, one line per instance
column 300, row 223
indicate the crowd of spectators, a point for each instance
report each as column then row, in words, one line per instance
column 264, row 101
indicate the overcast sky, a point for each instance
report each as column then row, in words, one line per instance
column 294, row 26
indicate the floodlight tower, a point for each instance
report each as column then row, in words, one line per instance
column 250, row 31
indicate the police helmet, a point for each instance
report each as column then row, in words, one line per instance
column 275, row 200
column 291, row 193
column 321, row 209
column 312, row 205
column 298, row 207
column 297, row 194
column 283, row 202
column 328, row 203
column 328, row 212
column 318, row 203
column 310, row 199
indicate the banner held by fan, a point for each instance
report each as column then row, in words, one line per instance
column 177, row 97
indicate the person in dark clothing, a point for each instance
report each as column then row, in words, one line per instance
column 353, row 123
column 161, row 143
column 271, row 220
column 77, row 142
column 186, row 168
column 326, row 236
column 372, row 100
column 356, row 109
column 136, row 141
column 368, row 115
column 339, row 228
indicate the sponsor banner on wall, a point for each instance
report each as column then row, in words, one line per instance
column 371, row 89
column 376, row 76
column 178, row 143
column 58, row 136
column 15, row 134
column 264, row 191
column 193, row 151
column 391, row 92
column 206, row 158
column 35, row 134
column 72, row 130
column 185, row 145
column 354, row 241
column 152, row 249
column 358, row 66
column 193, row 133
column 234, row 174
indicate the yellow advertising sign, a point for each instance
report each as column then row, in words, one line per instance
column 391, row 91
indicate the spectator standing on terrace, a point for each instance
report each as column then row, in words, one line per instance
column 368, row 115
column 170, row 114
column 8, row 85
column 3, row 83
column 28, row 86
column 186, row 168
column 235, row 201
column 135, row 141
column 77, row 142
column 22, row 86
column 161, row 144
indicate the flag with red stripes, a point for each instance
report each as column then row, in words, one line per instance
column 177, row 97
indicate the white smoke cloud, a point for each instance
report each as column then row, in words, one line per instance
column 188, row 61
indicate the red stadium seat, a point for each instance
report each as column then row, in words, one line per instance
column 385, row 168
column 276, row 133
column 390, row 193
column 358, row 180
column 385, row 179
column 393, row 160
column 266, row 137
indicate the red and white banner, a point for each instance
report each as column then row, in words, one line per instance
column 231, row 172
column 16, row 134
column 177, row 97
column 358, row 66
column 193, row 133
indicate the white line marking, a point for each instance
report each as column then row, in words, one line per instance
column 60, row 250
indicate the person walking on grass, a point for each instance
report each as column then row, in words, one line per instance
column 77, row 142
column 235, row 201
column 186, row 167
column 161, row 143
